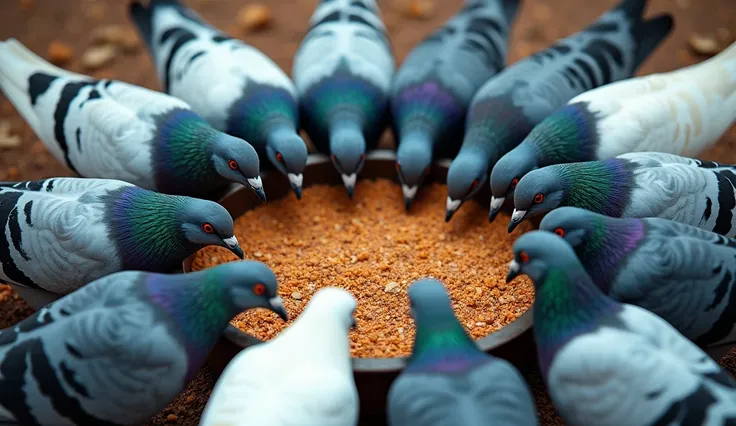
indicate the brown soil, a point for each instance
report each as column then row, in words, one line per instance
column 37, row 23
column 372, row 248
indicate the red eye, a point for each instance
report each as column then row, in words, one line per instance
column 362, row 157
column 334, row 158
column 259, row 289
column 233, row 164
column 523, row 257
column 474, row 185
column 208, row 228
column 398, row 167
column 538, row 198
column 560, row 232
column 280, row 157
column 514, row 183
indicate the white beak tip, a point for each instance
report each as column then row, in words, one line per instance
column 496, row 203
column 296, row 179
column 349, row 180
column 517, row 215
column 231, row 242
column 409, row 191
column 453, row 205
column 256, row 182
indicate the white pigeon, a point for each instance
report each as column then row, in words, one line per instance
column 115, row 130
column 302, row 377
column 233, row 85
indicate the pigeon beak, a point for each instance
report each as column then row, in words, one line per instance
column 514, row 271
column 452, row 206
column 409, row 193
column 277, row 305
column 296, row 184
column 496, row 204
column 349, row 181
column 256, row 184
column 232, row 244
column 516, row 218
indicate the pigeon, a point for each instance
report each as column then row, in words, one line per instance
column 448, row 380
column 682, row 112
column 342, row 72
column 59, row 234
column 682, row 273
column 432, row 89
column 233, row 85
column 263, row 385
column 607, row 363
column 114, row 130
column 635, row 185
column 85, row 359
column 509, row 105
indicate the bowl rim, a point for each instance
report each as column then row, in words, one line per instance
column 492, row 341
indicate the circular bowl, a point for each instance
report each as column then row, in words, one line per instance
column 373, row 376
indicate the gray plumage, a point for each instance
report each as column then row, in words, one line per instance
column 636, row 185
column 59, row 234
column 120, row 349
column 448, row 380
column 230, row 83
column 506, row 108
column 607, row 363
column 684, row 274
column 434, row 85
column 114, row 130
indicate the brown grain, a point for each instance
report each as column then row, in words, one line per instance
column 373, row 248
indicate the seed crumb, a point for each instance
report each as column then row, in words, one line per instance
column 296, row 295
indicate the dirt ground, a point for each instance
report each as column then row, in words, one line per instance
column 38, row 23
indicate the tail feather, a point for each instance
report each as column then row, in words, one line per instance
column 649, row 34
column 17, row 65
column 510, row 9
column 634, row 9
column 142, row 16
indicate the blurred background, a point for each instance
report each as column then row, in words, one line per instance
column 95, row 37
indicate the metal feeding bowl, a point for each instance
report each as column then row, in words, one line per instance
column 373, row 376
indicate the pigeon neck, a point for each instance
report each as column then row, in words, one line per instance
column 261, row 111
column 429, row 109
column 146, row 228
column 567, row 304
column 605, row 248
column 567, row 136
column 441, row 345
column 198, row 307
column 500, row 120
column 599, row 186
column 182, row 156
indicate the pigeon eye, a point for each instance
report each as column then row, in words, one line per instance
column 398, row 167
column 523, row 257
column 334, row 159
column 208, row 228
column 474, row 185
column 233, row 164
column 259, row 289
column 362, row 157
column 514, row 183
column 560, row 232
column 280, row 157
column 538, row 198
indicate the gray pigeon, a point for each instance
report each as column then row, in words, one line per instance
column 121, row 348
column 61, row 233
column 432, row 89
column 114, row 130
column 342, row 73
column 449, row 381
column 233, row 85
column 607, row 363
column 509, row 105
column 642, row 184
column 682, row 273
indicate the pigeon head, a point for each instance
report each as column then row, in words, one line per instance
column 429, row 301
column 208, row 223
column 536, row 252
column 288, row 153
column 413, row 162
column 347, row 151
column 252, row 284
column 332, row 305
column 236, row 160
column 467, row 173
column 538, row 192
column 507, row 173
column 573, row 224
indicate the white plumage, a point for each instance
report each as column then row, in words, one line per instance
column 263, row 385
column 682, row 112
column 97, row 128
column 632, row 370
